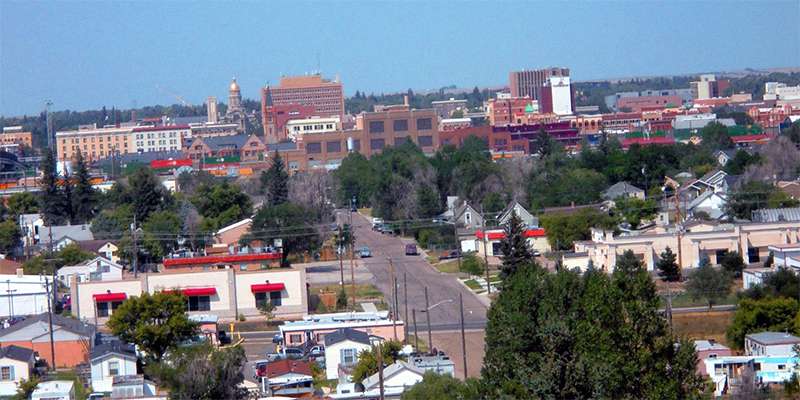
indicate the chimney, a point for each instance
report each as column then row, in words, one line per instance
column 405, row 100
column 20, row 272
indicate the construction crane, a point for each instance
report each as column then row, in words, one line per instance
column 164, row 90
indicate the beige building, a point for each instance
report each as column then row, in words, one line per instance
column 225, row 293
column 296, row 128
column 94, row 143
column 14, row 135
column 751, row 240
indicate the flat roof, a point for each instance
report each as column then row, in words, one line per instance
column 773, row 338
column 705, row 345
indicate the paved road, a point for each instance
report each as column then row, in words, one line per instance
column 418, row 274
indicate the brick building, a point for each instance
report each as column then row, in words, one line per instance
column 14, row 135
column 530, row 82
column 326, row 96
column 644, row 103
column 94, row 143
column 72, row 338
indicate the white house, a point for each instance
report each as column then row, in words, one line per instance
column 764, row 369
column 710, row 202
column 16, row 364
column 777, row 344
column 527, row 218
column 64, row 235
column 110, row 360
column 400, row 375
column 96, row 269
column 31, row 227
column 54, row 390
column 342, row 348
column 23, row 294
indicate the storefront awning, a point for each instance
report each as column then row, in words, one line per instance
column 206, row 291
column 105, row 297
column 267, row 287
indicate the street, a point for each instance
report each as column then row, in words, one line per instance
column 443, row 289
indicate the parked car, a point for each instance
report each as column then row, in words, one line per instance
column 411, row 250
column 315, row 351
column 260, row 368
column 290, row 353
column 450, row 255
column 364, row 252
column 536, row 253
column 277, row 338
column 376, row 222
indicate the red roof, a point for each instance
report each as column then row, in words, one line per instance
column 204, row 291
column 105, row 297
column 283, row 367
column 498, row 235
column 160, row 128
column 749, row 138
column 171, row 163
column 267, row 287
column 227, row 259
column 645, row 141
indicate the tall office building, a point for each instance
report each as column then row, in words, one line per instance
column 211, row 108
column 530, row 82
column 326, row 96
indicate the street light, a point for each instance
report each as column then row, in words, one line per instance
column 427, row 312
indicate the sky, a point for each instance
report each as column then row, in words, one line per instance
column 85, row 55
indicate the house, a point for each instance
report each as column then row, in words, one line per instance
column 290, row 378
column 439, row 363
column 31, row 226
column 786, row 255
column 342, row 349
column 105, row 248
column 400, row 375
column 96, row 269
column 9, row 267
column 54, row 390
column 572, row 260
column 110, row 360
column 72, row 338
column 792, row 188
column 706, row 349
column 490, row 241
column 776, row 214
column 132, row 387
column 622, row 189
column 779, row 344
column 724, row 156
column 230, row 235
column 466, row 216
column 316, row 327
column 727, row 372
column 710, row 203
column 64, row 235
column 16, row 364
column 527, row 218
column 24, row 294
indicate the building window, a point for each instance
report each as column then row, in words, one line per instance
column 400, row 125
column 313, row 147
column 7, row 373
column 425, row 141
column 424, row 124
column 348, row 356
column 400, row 140
column 377, row 144
column 113, row 368
column 375, row 126
column 295, row 338
column 333, row 146
column 102, row 309
column 199, row 303
column 356, row 145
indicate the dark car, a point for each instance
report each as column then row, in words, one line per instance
column 450, row 255
column 411, row 250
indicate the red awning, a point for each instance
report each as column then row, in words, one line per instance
column 267, row 287
column 206, row 291
column 104, row 297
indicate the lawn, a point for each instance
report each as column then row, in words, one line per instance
column 366, row 291
column 472, row 284
column 684, row 300
column 423, row 344
column 703, row 325
column 448, row 267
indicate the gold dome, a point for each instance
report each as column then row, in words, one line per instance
column 234, row 86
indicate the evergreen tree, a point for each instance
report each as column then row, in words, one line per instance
column 66, row 194
column 147, row 193
column 514, row 247
column 275, row 182
column 668, row 267
column 84, row 197
column 53, row 207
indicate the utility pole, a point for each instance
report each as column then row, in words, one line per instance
column 135, row 249
column 393, row 305
column 463, row 334
column 352, row 262
column 341, row 258
column 458, row 244
column 668, row 310
column 485, row 253
column 380, row 369
column 416, row 335
column 50, row 322
column 50, row 260
column 428, row 319
column 405, row 314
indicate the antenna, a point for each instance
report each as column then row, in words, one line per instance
column 319, row 72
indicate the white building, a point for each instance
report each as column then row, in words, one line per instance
column 727, row 370
column 110, row 360
column 779, row 344
column 16, row 364
column 316, row 327
column 561, row 95
column 54, row 390
column 342, row 349
column 399, row 376
column 160, row 138
column 96, row 269
column 296, row 128
column 31, row 227
column 23, row 294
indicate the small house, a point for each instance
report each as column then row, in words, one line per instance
column 706, row 349
column 342, row 349
column 290, row 378
column 623, row 189
column 466, row 216
column 110, row 360
column 54, row 390
column 72, row 338
column 528, row 219
column 396, row 377
column 16, row 364
column 96, row 269
column 770, row 344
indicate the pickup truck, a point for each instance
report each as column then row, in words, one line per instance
column 289, row 353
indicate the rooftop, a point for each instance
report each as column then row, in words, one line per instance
column 705, row 345
column 346, row 334
column 773, row 338
column 16, row 353
column 283, row 367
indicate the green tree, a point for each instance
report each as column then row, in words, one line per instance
column 668, row 266
column 715, row 136
column 203, row 372
column 84, row 197
column 793, row 133
column 783, row 282
column 516, row 252
column 733, row 263
column 564, row 229
column 72, row 254
column 708, row 283
column 442, row 387
column 633, row 210
column 160, row 233
column 148, row 194
column 749, row 197
column 356, row 179
column 67, row 189
column 54, row 209
column 26, row 388
column 472, row 264
column 22, row 203
column 740, row 161
column 156, row 323
column 10, row 236
column 769, row 314
column 368, row 359
column 221, row 204
column 275, row 181
column 288, row 222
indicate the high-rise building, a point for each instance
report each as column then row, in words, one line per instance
column 556, row 96
column 211, row 108
column 326, row 96
column 530, row 82
column 709, row 87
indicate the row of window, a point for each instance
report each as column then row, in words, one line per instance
column 196, row 303
column 91, row 139
column 335, row 146
column 401, row 125
column 140, row 136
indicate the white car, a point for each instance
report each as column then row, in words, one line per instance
column 377, row 222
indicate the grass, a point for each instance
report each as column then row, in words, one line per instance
column 703, row 325
column 448, row 267
column 365, row 291
column 684, row 300
column 423, row 345
column 472, row 284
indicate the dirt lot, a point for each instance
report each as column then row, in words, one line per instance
column 703, row 325
column 450, row 343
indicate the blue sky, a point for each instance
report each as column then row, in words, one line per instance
column 88, row 54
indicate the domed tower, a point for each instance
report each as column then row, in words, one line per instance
column 234, row 98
